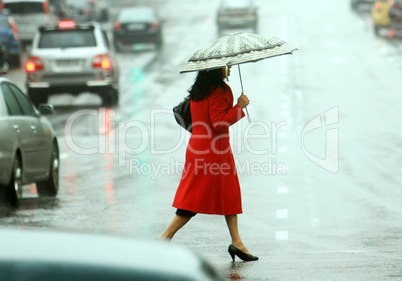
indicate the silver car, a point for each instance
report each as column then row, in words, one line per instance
column 29, row 151
column 71, row 58
column 235, row 14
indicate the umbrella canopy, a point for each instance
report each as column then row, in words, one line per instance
column 237, row 48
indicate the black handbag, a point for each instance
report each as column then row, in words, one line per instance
column 182, row 114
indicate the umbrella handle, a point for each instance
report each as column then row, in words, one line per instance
column 242, row 90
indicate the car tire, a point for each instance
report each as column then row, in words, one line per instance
column 15, row 61
column 50, row 186
column 110, row 97
column 37, row 96
column 11, row 193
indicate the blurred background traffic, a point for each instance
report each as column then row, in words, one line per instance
column 111, row 68
column 19, row 20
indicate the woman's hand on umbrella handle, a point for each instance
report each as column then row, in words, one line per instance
column 243, row 100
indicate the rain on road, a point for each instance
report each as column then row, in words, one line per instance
column 318, row 164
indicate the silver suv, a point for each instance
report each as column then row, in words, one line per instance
column 71, row 58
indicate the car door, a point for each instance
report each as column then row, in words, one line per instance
column 41, row 140
column 28, row 130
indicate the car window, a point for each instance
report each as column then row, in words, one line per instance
column 67, row 39
column 22, row 100
column 25, row 7
column 12, row 105
column 138, row 14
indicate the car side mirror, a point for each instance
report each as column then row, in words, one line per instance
column 46, row 109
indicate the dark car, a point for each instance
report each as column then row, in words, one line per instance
column 29, row 150
column 137, row 25
column 9, row 37
column 33, row 255
column 235, row 14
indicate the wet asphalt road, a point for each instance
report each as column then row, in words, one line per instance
column 318, row 164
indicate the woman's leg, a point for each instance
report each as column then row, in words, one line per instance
column 177, row 223
column 231, row 221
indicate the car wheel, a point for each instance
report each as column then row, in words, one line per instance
column 15, row 61
column 37, row 96
column 11, row 193
column 110, row 97
column 50, row 186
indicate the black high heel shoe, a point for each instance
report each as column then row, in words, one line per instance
column 233, row 250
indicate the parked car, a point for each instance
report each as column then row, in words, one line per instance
column 10, row 38
column 137, row 25
column 29, row 151
column 29, row 15
column 234, row 14
column 71, row 58
column 387, row 18
column 62, row 256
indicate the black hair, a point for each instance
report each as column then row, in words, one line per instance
column 204, row 82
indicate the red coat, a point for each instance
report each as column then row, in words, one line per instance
column 209, row 182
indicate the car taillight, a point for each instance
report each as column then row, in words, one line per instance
column 117, row 25
column 33, row 64
column 66, row 24
column 154, row 25
column 378, row 6
column 102, row 61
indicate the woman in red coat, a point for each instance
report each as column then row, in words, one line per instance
column 209, row 183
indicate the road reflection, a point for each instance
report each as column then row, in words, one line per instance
column 27, row 204
column 106, row 116
column 235, row 270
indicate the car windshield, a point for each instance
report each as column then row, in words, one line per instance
column 25, row 7
column 67, row 39
column 136, row 15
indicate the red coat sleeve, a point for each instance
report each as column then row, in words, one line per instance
column 223, row 114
